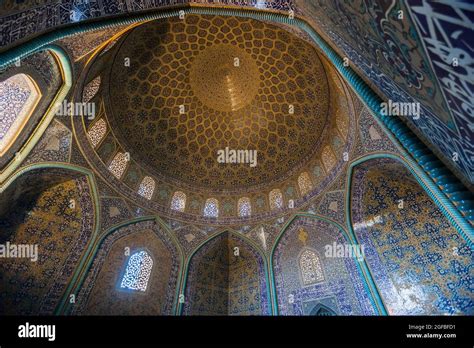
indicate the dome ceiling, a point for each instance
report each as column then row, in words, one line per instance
column 199, row 85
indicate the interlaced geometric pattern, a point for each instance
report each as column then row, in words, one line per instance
column 211, row 208
column 197, row 88
column 91, row 90
column 147, row 187
column 276, row 199
column 244, row 207
column 178, row 202
column 97, row 132
column 118, row 164
column 310, row 267
column 138, row 272
column 18, row 96
column 304, row 182
column 328, row 158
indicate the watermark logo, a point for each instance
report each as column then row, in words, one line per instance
column 37, row 331
column 400, row 109
column 76, row 109
column 336, row 250
column 27, row 251
column 237, row 156
column 372, row 221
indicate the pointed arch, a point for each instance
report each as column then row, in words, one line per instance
column 19, row 96
column 232, row 247
column 361, row 268
column 88, row 232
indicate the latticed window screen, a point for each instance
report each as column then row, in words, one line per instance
column 276, row 199
column 211, row 208
column 118, row 164
column 178, row 202
column 244, row 207
column 97, row 132
column 310, row 267
column 147, row 187
column 138, row 271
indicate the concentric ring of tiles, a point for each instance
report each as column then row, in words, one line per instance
column 191, row 63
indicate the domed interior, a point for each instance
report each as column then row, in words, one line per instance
column 199, row 86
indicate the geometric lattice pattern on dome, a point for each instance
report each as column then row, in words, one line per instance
column 310, row 267
column 119, row 164
column 147, row 186
column 138, row 272
column 97, row 132
column 178, row 202
column 160, row 115
column 211, row 208
column 244, row 207
column 276, row 199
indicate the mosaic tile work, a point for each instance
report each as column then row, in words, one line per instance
column 59, row 221
column 182, row 100
column 189, row 236
column 341, row 288
column 80, row 45
column 223, row 280
column 101, row 292
column 446, row 30
column 17, row 26
column 54, row 145
column 411, row 60
column 165, row 132
column 42, row 68
column 113, row 212
column 333, row 206
column 18, row 97
column 372, row 137
column 420, row 264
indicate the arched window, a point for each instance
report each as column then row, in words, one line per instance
column 321, row 310
column 178, row 202
column 211, row 208
column 304, row 182
column 328, row 158
column 244, row 207
column 91, row 89
column 118, row 164
column 97, row 132
column 147, row 187
column 138, row 271
column 276, row 199
column 310, row 267
column 19, row 96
